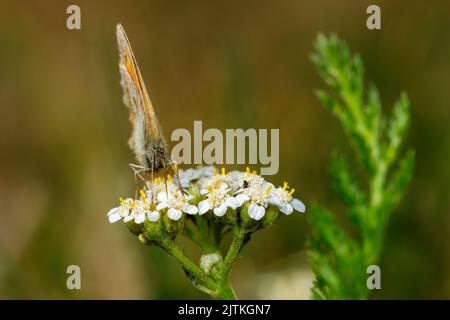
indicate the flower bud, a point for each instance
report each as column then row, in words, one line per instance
column 211, row 263
column 171, row 227
column 229, row 217
column 153, row 231
column 271, row 216
column 143, row 238
column 135, row 228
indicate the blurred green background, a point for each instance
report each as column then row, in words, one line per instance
column 232, row 65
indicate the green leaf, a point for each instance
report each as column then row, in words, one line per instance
column 343, row 181
column 348, row 190
column 397, row 127
column 373, row 110
column 400, row 180
column 339, row 261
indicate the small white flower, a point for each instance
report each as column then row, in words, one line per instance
column 143, row 208
column 282, row 198
column 218, row 195
column 195, row 176
column 212, row 182
column 123, row 211
column 250, row 179
column 140, row 210
column 188, row 176
column 159, row 185
column 258, row 196
column 208, row 261
column 176, row 203
column 256, row 191
column 235, row 180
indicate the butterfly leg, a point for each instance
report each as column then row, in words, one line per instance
column 174, row 166
column 137, row 170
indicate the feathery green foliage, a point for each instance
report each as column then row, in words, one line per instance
column 338, row 259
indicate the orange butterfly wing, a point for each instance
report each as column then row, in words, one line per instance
column 142, row 115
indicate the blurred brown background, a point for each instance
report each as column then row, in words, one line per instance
column 232, row 65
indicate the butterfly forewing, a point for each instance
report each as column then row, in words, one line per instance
column 146, row 141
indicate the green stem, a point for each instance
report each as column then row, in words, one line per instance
column 233, row 251
column 198, row 277
column 376, row 221
column 219, row 286
column 225, row 290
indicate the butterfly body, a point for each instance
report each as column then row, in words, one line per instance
column 147, row 141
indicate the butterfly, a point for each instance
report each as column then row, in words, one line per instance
column 147, row 141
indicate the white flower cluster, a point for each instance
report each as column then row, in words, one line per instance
column 206, row 190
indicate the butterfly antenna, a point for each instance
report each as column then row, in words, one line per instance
column 135, row 184
column 174, row 166
column 136, row 170
column 165, row 182
column 152, row 181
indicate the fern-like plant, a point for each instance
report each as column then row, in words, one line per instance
column 340, row 259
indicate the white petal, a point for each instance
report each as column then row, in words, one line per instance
column 204, row 191
column 174, row 214
column 207, row 171
column 153, row 216
column 190, row 209
column 275, row 200
column 162, row 197
column 185, row 183
column 241, row 198
column 261, row 213
column 139, row 218
column 204, row 206
column 251, row 210
column 188, row 196
column 129, row 217
column 232, row 203
column 162, row 205
column 298, row 205
column 223, row 186
column 112, row 211
column 221, row 210
column 196, row 173
column 266, row 185
column 114, row 216
column 286, row 208
column 256, row 212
